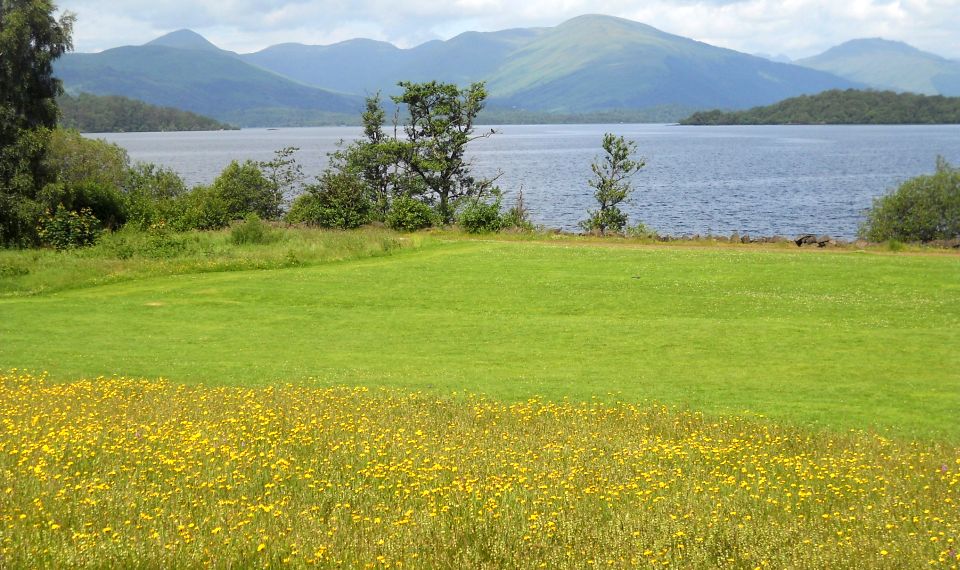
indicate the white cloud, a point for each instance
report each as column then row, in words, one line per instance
column 795, row 27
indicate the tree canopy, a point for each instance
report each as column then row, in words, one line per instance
column 836, row 107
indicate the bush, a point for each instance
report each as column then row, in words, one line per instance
column 66, row 229
column 481, row 217
column 151, row 195
column 252, row 231
column 338, row 200
column 923, row 209
column 245, row 190
column 201, row 209
column 104, row 201
column 409, row 215
column 518, row 216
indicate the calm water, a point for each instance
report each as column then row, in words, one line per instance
column 756, row 180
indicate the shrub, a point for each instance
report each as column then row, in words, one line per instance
column 338, row 200
column 923, row 209
column 409, row 215
column 103, row 200
column 151, row 195
column 481, row 217
column 66, row 229
column 201, row 209
column 244, row 190
column 518, row 216
column 252, row 231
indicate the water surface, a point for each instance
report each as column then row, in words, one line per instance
column 760, row 180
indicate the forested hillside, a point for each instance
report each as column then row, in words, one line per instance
column 850, row 107
column 114, row 114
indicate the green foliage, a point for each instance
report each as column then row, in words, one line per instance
column 201, row 209
column 338, row 200
column 67, row 229
column 252, row 231
column 285, row 176
column 22, row 174
column 74, row 159
column 482, row 216
column 105, row 202
column 923, row 209
column 441, row 118
column 408, row 214
column 31, row 39
column 244, row 190
column 611, row 183
column 836, row 107
column 114, row 114
column 151, row 195
column 518, row 216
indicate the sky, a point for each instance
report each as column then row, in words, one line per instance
column 795, row 28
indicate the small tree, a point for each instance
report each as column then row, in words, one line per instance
column 337, row 200
column 440, row 127
column 925, row 208
column 244, row 189
column 285, row 176
column 611, row 184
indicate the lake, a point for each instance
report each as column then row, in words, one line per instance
column 758, row 180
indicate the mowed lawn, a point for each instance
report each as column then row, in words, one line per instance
column 822, row 339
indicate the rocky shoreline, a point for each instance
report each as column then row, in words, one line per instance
column 803, row 240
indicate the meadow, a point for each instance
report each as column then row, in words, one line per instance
column 431, row 401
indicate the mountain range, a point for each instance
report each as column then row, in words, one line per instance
column 588, row 65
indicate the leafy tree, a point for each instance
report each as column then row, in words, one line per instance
column 152, row 194
column 338, row 200
column 611, row 183
column 285, row 176
column 923, row 209
column 441, row 118
column 73, row 159
column 244, row 189
column 30, row 40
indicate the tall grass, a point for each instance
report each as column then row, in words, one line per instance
column 120, row 473
column 132, row 254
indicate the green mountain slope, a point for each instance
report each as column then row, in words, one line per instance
column 588, row 65
column 849, row 107
column 600, row 62
column 205, row 81
column 884, row 64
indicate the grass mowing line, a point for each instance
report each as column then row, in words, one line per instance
column 822, row 340
column 125, row 256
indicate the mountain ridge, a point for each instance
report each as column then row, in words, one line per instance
column 888, row 64
column 588, row 65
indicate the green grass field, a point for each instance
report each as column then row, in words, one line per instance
column 830, row 340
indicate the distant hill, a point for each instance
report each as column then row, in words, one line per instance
column 187, row 39
column 593, row 63
column 843, row 108
column 884, row 64
column 366, row 66
column 586, row 66
column 114, row 114
column 202, row 80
